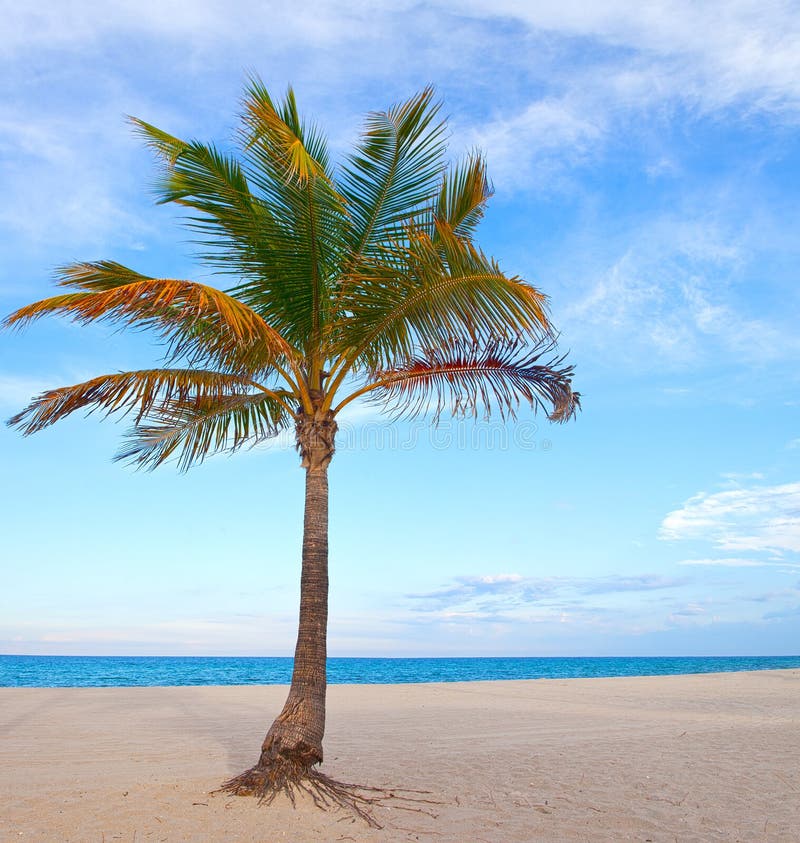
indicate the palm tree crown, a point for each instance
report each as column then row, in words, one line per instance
column 361, row 281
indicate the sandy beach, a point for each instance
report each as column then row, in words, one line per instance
column 671, row 758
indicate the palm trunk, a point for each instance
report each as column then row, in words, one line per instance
column 293, row 744
column 296, row 734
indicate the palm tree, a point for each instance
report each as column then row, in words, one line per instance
column 356, row 282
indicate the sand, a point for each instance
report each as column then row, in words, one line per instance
column 671, row 758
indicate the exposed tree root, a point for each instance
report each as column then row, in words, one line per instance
column 327, row 793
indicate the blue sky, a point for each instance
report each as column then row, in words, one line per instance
column 646, row 161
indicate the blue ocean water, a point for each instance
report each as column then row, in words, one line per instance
column 117, row 671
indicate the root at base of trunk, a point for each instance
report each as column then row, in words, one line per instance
column 291, row 778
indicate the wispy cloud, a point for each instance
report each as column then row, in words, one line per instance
column 63, row 194
column 726, row 562
column 675, row 295
column 780, row 614
column 692, row 614
column 711, row 53
column 621, row 584
column 600, row 73
column 533, row 147
column 757, row 519
column 514, row 590
column 79, row 24
column 162, row 635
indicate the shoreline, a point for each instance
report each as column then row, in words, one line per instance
column 167, row 671
column 692, row 756
column 404, row 684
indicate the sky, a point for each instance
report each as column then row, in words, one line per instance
column 646, row 166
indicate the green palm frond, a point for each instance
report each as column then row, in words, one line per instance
column 137, row 392
column 394, row 173
column 166, row 146
column 191, row 430
column 211, row 183
column 286, row 161
column 480, row 378
column 425, row 293
column 463, row 196
column 238, row 232
column 199, row 176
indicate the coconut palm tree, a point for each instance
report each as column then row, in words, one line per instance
column 356, row 282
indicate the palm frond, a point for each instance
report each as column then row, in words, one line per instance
column 392, row 176
column 287, row 162
column 463, row 196
column 486, row 378
column 166, row 146
column 192, row 430
column 97, row 276
column 426, row 292
column 135, row 392
column 201, row 177
column 251, row 232
column 300, row 149
column 195, row 320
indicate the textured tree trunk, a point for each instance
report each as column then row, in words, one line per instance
column 296, row 734
column 293, row 745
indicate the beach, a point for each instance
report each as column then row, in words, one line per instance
column 669, row 758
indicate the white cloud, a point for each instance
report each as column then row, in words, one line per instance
column 495, row 594
column 712, row 53
column 756, row 519
column 491, row 579
column 532, row 147
column 69, row 179
column 664, row 167
column 675, row 295
column 736, row 478
column 76, row 24
column 726, row 562
column 96, row 634
column 690, row 615
column 607, row 70
column 709, row 53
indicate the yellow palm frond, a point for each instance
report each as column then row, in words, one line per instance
column 195, row 320
column 137, row 392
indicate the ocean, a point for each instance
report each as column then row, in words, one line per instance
column 122, row 671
